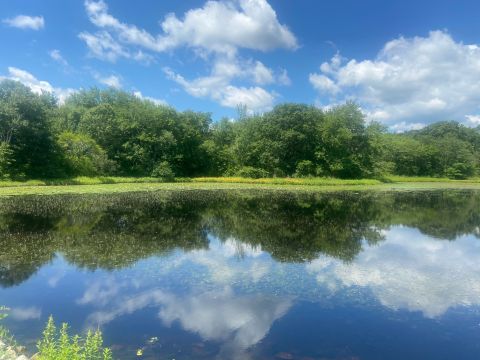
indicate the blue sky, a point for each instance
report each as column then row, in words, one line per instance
column 407, row 63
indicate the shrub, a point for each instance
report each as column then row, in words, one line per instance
column 251, row 172
column 164, row 171
column 459, row 171
column 305, row 168
column 279, row 173
column 61, row 346
column 84, row 156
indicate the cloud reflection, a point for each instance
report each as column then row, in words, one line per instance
column 220, row 314
column 410, row 271
column 238, row 322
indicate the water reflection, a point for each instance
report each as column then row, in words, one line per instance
column 227, row 275
column 410, row 271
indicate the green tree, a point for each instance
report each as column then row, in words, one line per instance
column 25, row 127
column 84, row 156
column 343, row 149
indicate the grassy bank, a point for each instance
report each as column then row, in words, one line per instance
column 99, row 185
column 101, row 180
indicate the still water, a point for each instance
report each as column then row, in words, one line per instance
column 249, row 275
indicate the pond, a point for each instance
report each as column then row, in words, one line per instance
column 249, row 274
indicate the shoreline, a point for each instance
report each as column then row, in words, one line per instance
column 211, row 185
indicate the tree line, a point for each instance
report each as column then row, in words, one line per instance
column 112, row 132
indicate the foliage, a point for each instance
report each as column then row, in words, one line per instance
column 59, row 345
column 252, row 173
column 111, row 132
column 9, row 343
column 305, row 168
column 6, row 160
column 163, row 171
column 24, row 126
column 84, row 156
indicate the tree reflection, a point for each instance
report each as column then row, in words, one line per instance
column 116, row 231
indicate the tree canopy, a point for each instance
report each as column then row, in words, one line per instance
column 112, row 132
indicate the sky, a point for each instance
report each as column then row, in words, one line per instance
column 406, row 63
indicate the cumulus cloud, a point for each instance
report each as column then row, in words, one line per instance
column 218, row 85
column 410, row 271
column 37, row 86
column 411, row 81
column 26, row 22
column 212, row 31
column 214, row 27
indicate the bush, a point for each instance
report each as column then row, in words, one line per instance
column 84, row 156
column 164, row 171
column 251, row 172
column 459, row 171
column 61, row 346
column 305, row 168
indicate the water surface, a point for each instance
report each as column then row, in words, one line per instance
column 249, row 275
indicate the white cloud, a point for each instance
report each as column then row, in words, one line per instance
column 410, row 271
column 37, row 86
column 154, row 100
column 255, row 98
column 213, row 28
column 324, row 84
column 261, row 74
column 57, row 56
column 111, row 81
column 212, row 31
column 103, row 46
column 218, row 85
column 404, row 126
column 283, row 78
column 473, row 119
column 26, row 22
column 26, row 78
column 412, row 80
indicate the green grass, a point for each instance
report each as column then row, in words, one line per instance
column 286, row 181
column 81, row 180
column 101, row 185
column 417, row 179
